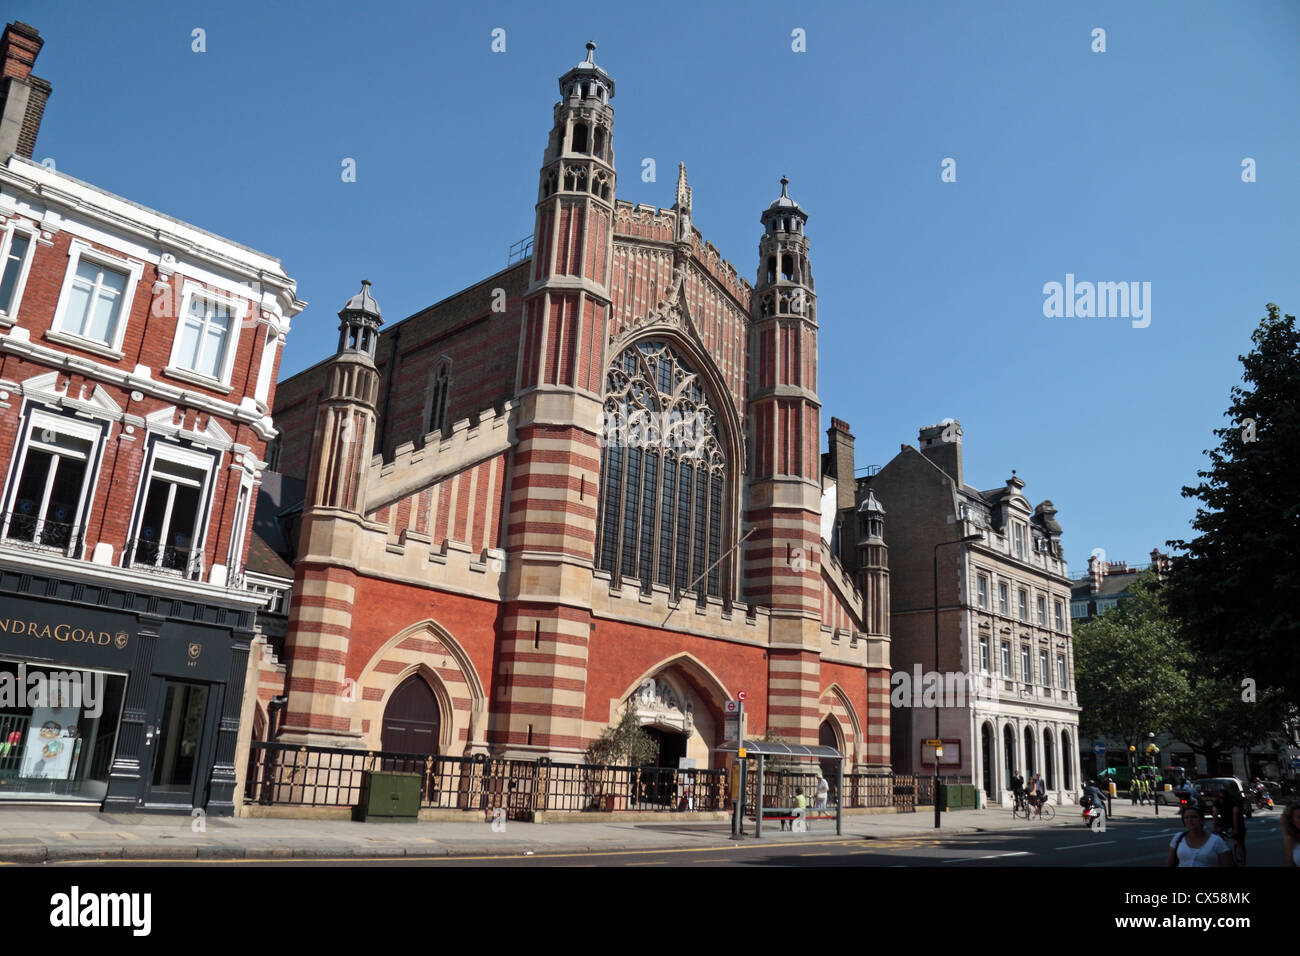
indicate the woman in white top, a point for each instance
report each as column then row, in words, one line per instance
column 1291, row 834
column 1195, row 846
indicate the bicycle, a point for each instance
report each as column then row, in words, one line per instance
column 1020, row 807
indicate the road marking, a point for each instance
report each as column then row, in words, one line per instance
column 1077, row 846
column 991, row 856
column 1157, row 836
column 649, row 863
column 814, row 854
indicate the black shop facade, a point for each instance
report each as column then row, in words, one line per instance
column 117, row 690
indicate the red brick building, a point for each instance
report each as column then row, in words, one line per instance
column 589, row 481
column 138, row 359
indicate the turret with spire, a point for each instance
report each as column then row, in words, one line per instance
column 783, row 556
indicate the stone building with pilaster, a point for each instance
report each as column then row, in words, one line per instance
column 1003, row 622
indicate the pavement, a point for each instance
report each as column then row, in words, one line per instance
column 34, row 835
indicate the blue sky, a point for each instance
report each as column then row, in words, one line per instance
column 1117, row 166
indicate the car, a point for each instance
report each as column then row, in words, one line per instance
column 1211, row 787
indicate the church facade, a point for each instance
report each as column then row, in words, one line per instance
column 588, row 483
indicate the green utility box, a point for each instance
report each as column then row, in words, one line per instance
column 388, row 798
column 957, row 796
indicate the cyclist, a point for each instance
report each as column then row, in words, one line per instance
column 1039, row 796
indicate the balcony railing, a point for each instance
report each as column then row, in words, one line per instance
column 185, row 562
column 25, row 530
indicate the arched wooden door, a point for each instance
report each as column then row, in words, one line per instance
column 411, row 719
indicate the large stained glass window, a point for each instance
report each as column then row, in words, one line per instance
column 664, row 514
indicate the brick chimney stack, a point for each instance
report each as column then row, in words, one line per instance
column 1097, row 568
column 22, row 95
column 839, row 443
column 941, row 443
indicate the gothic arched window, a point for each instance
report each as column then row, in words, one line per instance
column 435, row 401
column 664, row 477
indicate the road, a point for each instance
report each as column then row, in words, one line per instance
column 1063, row 843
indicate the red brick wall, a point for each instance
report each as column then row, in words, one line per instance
column 148, row 341
column 482, row 345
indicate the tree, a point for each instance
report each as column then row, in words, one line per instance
column 1218, row 714
column 1236, row 589
column 1131, row 667
column 624, row 744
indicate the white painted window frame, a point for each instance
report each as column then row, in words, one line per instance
column 41, row 419
column 238, row 312
column 243, row 512
column 175, row 454
column 10, row 316
column 134, row 269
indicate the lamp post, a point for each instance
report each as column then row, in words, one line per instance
column 965, row 540
column 1151, row 746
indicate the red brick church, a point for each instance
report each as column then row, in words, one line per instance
column 590, row 481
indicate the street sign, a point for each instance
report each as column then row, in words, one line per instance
column 938, row 752
column 733, row 707
column 740, row 696
column 1099, row 749
column 742, row 753
column 933, row 742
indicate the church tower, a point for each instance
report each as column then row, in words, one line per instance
column 782, row 556
column 560, row 380
column 321, row 700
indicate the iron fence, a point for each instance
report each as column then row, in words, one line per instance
column 300, row 776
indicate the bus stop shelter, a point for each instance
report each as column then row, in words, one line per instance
column 763, row 750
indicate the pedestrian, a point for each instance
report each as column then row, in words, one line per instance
column 1230, row 821
column 799, row 824
column 1291, row 834
column 1040, row 792
column 1195, row 846
column 823, row 791
column 1017, row 787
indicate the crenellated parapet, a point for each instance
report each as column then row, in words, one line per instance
column 415, row 468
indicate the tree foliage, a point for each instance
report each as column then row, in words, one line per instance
column 624, row 744
column 1131, row 667
column 1218, row 714
column 1236, row 590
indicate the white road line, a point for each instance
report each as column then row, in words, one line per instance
column 1077, row 846
column 991, row 856
column 1158, row 836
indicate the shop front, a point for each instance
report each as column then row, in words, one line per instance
column 130, row 702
